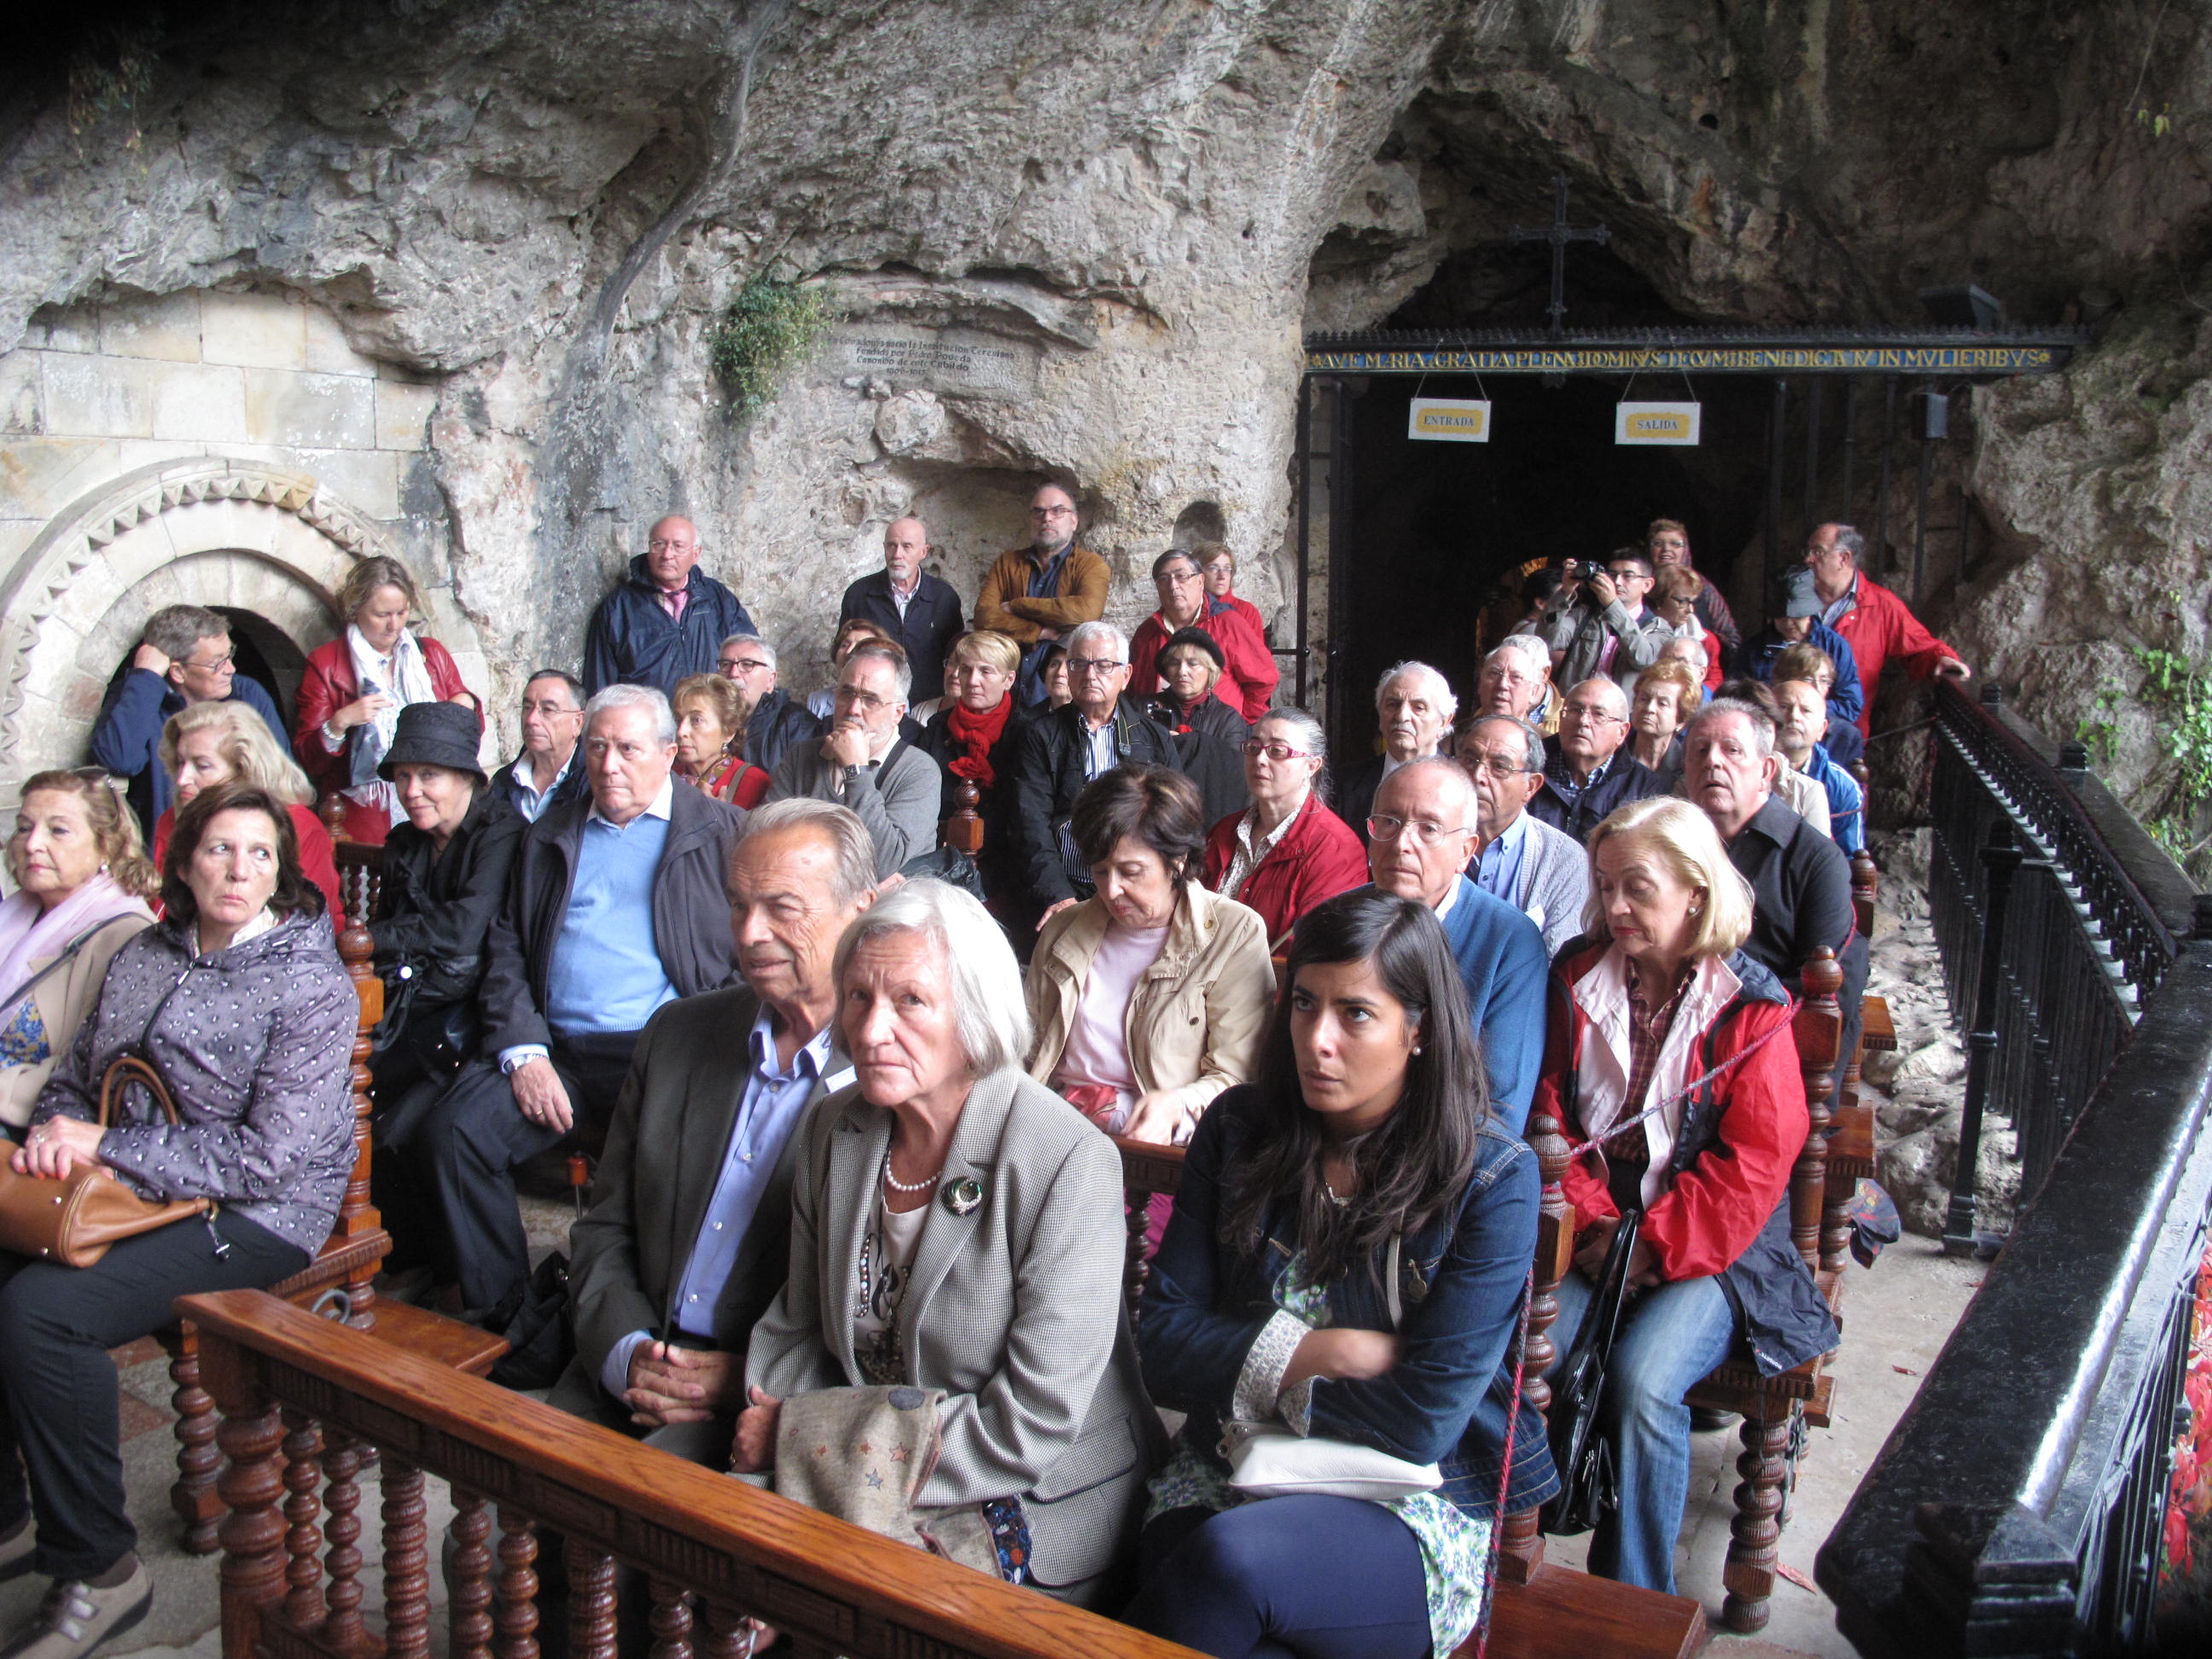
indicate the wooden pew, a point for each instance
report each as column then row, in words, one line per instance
column 1770, row 1406
column 347, row 1262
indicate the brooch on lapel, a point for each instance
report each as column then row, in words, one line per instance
column 964, row 1195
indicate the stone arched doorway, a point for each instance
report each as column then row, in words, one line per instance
column 266, row 546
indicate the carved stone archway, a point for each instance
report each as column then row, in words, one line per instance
column 205, row 531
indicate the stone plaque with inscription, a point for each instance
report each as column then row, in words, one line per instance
column 955, row 363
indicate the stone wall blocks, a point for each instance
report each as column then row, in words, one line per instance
column 253, row 331
column 98, row 397
column 201, row 402
column 164, row 327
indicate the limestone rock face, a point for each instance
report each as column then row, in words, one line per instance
column 1079, row 242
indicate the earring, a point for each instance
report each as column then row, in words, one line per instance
column 1417, row 1047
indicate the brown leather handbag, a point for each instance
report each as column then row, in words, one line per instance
column 75, row 1219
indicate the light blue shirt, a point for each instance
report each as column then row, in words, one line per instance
column 606, row 974
column 530, row 802
column 1497, row 868
column 1843, row 607
column 771, row 1107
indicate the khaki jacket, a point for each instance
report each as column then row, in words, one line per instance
column 1195, row 1019
column 64, row 998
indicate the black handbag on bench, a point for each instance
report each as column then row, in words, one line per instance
column 1588, row 1483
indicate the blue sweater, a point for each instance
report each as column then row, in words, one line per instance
column 1504, row 964
column 607, row 973
column 126, row 738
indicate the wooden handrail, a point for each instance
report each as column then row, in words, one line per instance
column 291, row 1384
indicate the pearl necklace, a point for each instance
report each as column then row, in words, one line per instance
column 898, row 1185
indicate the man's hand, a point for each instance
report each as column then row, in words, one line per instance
column 668, row 1384
column 755, row 1448
column 152, row 659
column 56, row 1146
column 846, row 745
column 1048, row 633
column 1052, row 910
column 540, row 1096
column 1952, row 669
column 1601, row 588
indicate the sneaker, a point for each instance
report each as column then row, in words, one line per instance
column 17, row 1548
column 76, row 1617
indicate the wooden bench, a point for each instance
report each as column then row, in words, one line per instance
column 1770, row 1406
column 347, row 1262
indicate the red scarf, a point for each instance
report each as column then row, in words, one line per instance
column 976, row 734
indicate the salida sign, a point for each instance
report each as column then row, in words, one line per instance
column 1655, row 423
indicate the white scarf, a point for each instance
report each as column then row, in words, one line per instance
column 404, row 678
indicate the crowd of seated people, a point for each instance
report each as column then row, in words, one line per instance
column 842, row 1086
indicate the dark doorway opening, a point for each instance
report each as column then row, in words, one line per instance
column 1435, row 532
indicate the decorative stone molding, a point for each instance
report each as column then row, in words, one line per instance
column 205, row 531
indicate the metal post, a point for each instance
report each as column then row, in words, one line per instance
column 1888, row 447
column 1778, row 423
column 1812, row 453
column 2000, row 858
column 1336, row 720
column 1306, row 393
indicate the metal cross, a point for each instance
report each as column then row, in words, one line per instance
column 1558, row 233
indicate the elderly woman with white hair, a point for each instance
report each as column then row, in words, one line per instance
column 956, row 1227
column 1670, row 1066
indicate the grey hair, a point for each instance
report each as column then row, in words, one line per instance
column 988, row 1008
column 1532, row 740
column 767, row 650
column 1089, row 631
column 649, row 698
column 1704, row 660
column 1848, row 538
column 175, row 629
column 1531, row 649
column 1311, row 737
column 889, row 650
column 1448, row 701
column 838, row 825
column 1762, row 723
column 1448, row 767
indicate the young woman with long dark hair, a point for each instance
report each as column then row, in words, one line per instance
column 1364, row 1149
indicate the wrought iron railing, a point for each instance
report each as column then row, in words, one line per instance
column 2018, row 1509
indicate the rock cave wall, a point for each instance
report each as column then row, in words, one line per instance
column 1079, row 242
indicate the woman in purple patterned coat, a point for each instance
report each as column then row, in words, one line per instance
column 239, row 1000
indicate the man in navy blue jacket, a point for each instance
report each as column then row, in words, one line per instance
column 666, row 620
column 920, row 611
column 1797, row 620
column 184, row 657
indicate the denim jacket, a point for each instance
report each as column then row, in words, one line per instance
column 1460, row 1281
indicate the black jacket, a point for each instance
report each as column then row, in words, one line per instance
column 1801, row 893
column 1626, row 779
column 1208, row 751
column 634, row 639
column 690, row 912
column 926, row 633
column 434, row 913
column 775, row 727
column 1049, row 773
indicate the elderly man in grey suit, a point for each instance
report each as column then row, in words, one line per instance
column 955, row 1225
column 864, row 764
column 1541, row 872
column 685, row 1244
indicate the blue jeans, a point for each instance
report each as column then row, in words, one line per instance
column 1285, row 1579
column 1670, row 1338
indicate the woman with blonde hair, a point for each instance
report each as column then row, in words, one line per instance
column 1666, row 695
column 1670, row 1068
column 82, row 883
column 710, row 730
column 356, row 686
column 218, row 743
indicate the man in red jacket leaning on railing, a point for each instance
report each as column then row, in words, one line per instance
column 1873, row 621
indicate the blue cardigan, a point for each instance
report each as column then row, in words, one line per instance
column 1461, row 1277
column 1502, row 959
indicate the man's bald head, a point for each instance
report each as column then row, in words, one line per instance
column 905, row 545
column 1426, row 814
column 671, row 548
column 1593, row 724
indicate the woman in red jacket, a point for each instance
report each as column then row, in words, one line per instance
column 1671, row 1069
column 356, row 686
column 1289, row 852
column 208, row 744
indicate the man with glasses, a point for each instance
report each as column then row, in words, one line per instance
column 1598, row 619
column 1543, row 874
column 1871, row 619
column 1415, row 706
column 774, row 723
column 184, row 657
column 1591, row 774
column 546, row 773
column 1516, row 682
column 1059, row 753
column 1037, row 594
column 908, row 604
column 862, row 764
column 660, row 624
column 1419, row 837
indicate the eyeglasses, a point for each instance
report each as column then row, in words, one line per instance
column 1051, row 512
column 1275, row 752
column 1623, row 574
column 218, row 665
column 1424, row 832
column 734, row 665
column 1496, row 765
column 1591, row 712
column 1093, row 664
column 663, row 544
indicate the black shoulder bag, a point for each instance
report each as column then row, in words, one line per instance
column 1588, row 1483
